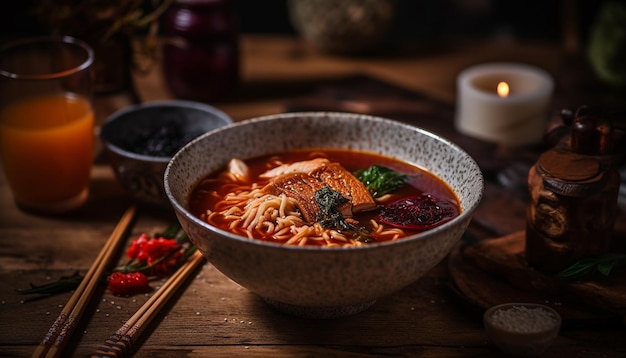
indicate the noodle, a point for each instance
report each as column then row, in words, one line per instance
column 250, row 212
column 241, row 205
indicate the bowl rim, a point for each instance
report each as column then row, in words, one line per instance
column 180, row 209
column 172, row 103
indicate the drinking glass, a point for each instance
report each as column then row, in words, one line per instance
column 47, row 122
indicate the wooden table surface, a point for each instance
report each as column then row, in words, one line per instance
column 213, row 316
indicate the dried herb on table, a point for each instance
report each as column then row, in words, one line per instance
column 64, row 284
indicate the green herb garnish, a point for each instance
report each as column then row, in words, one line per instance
column 603, row 264
column 174, row 231
column 381, row 180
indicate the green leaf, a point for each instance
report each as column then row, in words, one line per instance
column 604, row 265
column 380, row 180
column 189, row 251
column 174, row 231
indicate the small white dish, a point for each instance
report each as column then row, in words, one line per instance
column 522, row 329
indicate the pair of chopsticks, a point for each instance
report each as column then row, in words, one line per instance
column 118, row 344
column 63, row 327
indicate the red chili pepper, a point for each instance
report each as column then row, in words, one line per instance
column 135, row 246
column 168, row 265
column 149, row 250
column 157, row 248
column 128, row 283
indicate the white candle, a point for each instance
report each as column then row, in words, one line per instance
column 516, row 119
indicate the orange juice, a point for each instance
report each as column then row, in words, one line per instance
column 47, row 145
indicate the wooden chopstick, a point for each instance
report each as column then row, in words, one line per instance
column 118, row 344
column 54, row 341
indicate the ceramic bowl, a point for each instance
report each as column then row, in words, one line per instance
column 323, row 282
column 522, row 329
column 139, row 141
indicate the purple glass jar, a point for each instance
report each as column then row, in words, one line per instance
column 201, row 49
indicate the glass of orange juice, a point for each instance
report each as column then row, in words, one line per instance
column 47, row 122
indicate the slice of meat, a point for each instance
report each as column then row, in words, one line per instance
column 238, row 170
column 300, row 187
column 341, row 180
column 301, row 180
column 305, row 166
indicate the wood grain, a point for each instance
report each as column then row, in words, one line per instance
column 213, row 316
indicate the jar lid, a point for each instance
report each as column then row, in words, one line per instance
column 571, row 174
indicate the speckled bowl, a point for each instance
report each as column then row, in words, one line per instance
column 142, row 175
column 326, row 282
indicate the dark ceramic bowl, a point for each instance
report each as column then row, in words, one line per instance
column 140, row 140
column 323, row 282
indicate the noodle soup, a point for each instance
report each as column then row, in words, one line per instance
column 304, row 280
column 323, row 197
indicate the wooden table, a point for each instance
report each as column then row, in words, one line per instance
column 213, row 316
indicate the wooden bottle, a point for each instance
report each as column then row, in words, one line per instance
column 573, row 196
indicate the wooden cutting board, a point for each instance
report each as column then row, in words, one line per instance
column 494, row 271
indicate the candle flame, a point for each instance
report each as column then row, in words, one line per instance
column 503, row 89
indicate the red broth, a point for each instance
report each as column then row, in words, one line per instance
column 208, row 193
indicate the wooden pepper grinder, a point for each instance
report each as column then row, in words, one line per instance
column 573, row 195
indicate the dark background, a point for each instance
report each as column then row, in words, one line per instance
column 417, row 19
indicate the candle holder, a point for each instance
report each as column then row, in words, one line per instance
column 505, row 103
